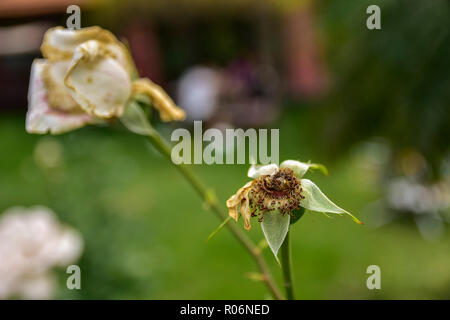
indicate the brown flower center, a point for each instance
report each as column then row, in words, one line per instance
column 280, row 191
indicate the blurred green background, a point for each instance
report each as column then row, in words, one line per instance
column 374, row 108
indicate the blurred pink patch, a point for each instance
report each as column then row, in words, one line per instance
column 307, row 72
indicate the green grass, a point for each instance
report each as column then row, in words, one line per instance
column 145, row 229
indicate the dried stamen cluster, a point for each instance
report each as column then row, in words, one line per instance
column 280, row 191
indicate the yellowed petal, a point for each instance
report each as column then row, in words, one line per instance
column 53, row 74
column 95, row 79
column 60, row 43
column 246, row 211
column 167, row 109
column 233, row 201
column 241, row 198
column 121, row 53
column 41, row 118
column 236, row 198
column 233, row 213
column 232, row 205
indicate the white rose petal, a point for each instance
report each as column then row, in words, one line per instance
column 257, row 171
column 58, row 95
column 97, row 81
column 298, row 167
column 86, row 77
column 41, row 118
column 61, row 44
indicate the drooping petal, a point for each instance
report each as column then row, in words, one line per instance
column 167, row 109
column 233, row 212
column 53, row 74
column 315, row 200
column 99, row 83
column 275, row 227
column 300, row 168
column 256, row 171
column 241, row 198
column 246, row 211
column 41, row 118
column 235, row 199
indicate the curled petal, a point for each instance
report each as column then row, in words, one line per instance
column 241, row 198
column 53, row 74
column 60, row 44
column 236, row 198
column 233, row 212
column 41, row 118
column 257, row 171
column 167, row 109
column 246, row 211
column 97, row 81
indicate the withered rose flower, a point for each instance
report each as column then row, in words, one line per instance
column 86, row 77
column 280, row 188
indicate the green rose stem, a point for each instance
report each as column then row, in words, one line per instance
column 286, row 266
column 161, row 145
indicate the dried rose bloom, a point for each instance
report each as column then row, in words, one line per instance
column 86, row 77
column 279, row 189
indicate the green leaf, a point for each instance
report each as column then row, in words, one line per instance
column 296, row 215
column 315, row 200
column 135, row 120
column 275, row 227
column 142, row 99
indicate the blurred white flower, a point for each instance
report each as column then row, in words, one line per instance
column 198, row 92
column 408, row 195
column 32, row 242
column 429, row 203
